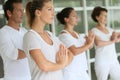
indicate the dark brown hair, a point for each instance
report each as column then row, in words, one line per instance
column 8, row 5
column 96, row 12
column 65, row 13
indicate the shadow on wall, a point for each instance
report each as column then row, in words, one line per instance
column 1, row 68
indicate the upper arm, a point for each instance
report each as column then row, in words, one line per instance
column 69, row 43
column 21, row 54
column 39, row 58
column 7, row 48
column 32, row 47
column 66, row 39
column 97, row 40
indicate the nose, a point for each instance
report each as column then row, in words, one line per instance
column 22, row 11
column 53, row 13
column 77, row 18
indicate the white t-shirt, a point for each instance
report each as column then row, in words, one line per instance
column 107, row 53
column 32, row 40
column 79, row 62
column 10, row 41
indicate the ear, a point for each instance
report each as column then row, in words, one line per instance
column 66, row 20
column 9, row 13
column 97, row 17
column 37, row 12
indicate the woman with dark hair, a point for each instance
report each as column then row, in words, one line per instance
column 46, row 54
column 76, row 43
column 106, row 62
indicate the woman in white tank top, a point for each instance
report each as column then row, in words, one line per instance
column 106, row 62
column 76, row 43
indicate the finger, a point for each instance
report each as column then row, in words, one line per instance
column 60, row 49
column 66, row 52
column 63, row 51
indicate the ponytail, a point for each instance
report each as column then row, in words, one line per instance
column 60, row 18
column 64, row 14
column 29, row 19
column 31, row 7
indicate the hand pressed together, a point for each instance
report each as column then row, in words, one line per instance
column 62, row 56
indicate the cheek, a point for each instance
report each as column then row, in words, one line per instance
column 103, row 19
column 100, row 19
column 75, row 20
column 48, row 20
column 72, row 20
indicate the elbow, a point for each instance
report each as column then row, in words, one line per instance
column 75, row 52
column 98, row 44
column 44, row 69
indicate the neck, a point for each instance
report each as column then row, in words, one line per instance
column 69, row 28
column 101, row 25
column 13, row 24
column 38, row 26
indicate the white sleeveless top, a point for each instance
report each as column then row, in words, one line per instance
column 79, row 62
column 107, row 53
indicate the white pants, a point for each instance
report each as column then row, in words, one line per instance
column 103, row 70
column 83, row 75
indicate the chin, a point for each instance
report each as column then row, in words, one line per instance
column 20, row 21
column 75, row 24
column 104, row 23
column 49, row 22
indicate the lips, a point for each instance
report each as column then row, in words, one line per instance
column 21, row 17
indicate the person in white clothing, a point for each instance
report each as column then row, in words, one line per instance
column 106, row 62
column 46, row 54
column 76, row 43
column 15, row 62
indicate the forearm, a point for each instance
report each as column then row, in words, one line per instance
column 78, row 50
column 70, row 57
column 21, row 54
column 49, row 66
column 43, row 63
column 103, row 43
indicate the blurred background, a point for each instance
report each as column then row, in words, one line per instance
column 84, row 9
